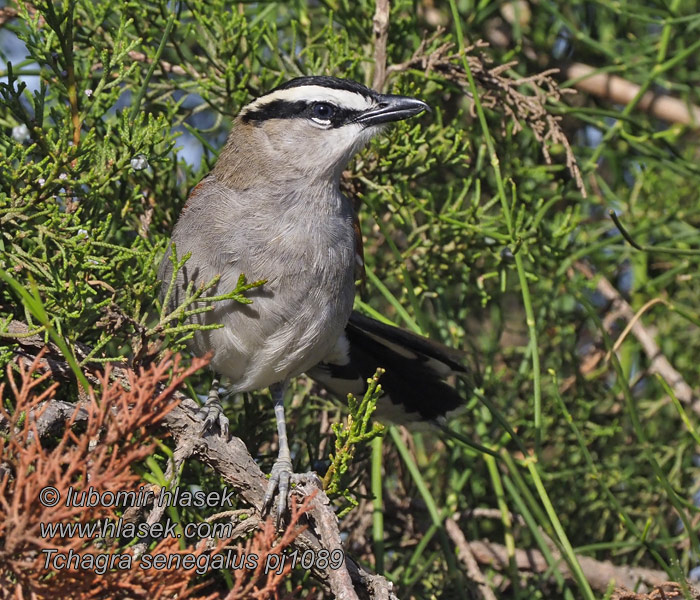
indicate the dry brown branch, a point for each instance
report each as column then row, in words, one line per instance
column 380, row 28
column 631, row 324
column 609, row 87
column 658, row 363
column 232, row 461
column 113, row 437
column 501, row 92
column 244, row 522
column 258, row 584
column 598, row 573
column 327, row 529
column 7, row 14
column 165, row 65
column 466, row 556
column 621, row 91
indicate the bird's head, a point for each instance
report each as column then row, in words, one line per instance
column 311, row 126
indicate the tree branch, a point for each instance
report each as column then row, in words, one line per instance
column 380, row 28
column 466, row 556
column 232, row 461
column 598, row 573
column 658, row 362
column 621, row 91
column 614, row 88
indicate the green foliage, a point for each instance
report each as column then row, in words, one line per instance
column 32, row 303
column 172, row 322
column 355, row 431
column 471, row 237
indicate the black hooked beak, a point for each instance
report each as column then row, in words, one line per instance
column 391, row 108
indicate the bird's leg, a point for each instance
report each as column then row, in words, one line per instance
column 282, row 469
column 212, row 412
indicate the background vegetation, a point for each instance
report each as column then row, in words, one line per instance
column 477, row 233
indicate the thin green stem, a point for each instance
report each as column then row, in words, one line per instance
column 506, row 520
column 377, row 505
column 657, row 70
column 136, row 106
column 645, row 444
column 430, row 504
column 569, row 553
column 495, row 164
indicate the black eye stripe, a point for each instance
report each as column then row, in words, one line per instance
column 277, row 109
column 300, row 109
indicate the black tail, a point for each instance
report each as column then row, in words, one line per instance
column 416, row 370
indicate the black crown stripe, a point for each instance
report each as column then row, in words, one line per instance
column 333, row 83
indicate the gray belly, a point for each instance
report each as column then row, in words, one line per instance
column 292, row 324
column 303, row 246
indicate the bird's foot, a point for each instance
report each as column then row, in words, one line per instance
column 280, row 476
column 212, row 413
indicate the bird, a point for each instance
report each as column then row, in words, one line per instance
column 272, row 209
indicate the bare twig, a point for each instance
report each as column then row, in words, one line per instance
column 669, row 590
column 658, row 361
column 380, row 28
column 243, row 526
column 598, row 573
column 621, row 91
column 7, row 14
column 632, row 323
column 51, row 417
column 618, row 90
column 231, row 460
column 326, row 526
column 468, row 559
column 164, row 64
column 501, row 92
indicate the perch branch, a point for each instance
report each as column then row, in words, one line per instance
column 232, row 461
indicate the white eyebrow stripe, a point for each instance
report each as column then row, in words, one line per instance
column 315, row 93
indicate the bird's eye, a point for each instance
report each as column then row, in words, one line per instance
column 322, row 111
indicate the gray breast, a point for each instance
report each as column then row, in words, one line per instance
column 303, row 246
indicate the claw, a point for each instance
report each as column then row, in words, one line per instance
column 212, row 413
column 280, row 476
